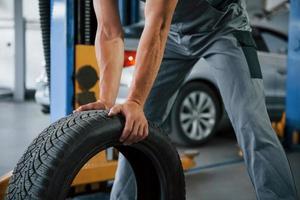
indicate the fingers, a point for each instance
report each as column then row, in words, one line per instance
column 143, row 131
column 134, row 135
column 136, row 124
column 127, row 130
column 139, row 132
column 115, row 110
column 91, row 106
column 146, row 131
column 85, row 107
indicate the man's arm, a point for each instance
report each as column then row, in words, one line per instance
column 109, row 47
column 158, row 16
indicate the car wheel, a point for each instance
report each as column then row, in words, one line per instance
column 195, row 114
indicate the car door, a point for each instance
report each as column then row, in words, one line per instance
column 272, row 50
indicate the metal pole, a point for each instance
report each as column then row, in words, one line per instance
column 20, row 59
column 293, row 84
column 62, row 58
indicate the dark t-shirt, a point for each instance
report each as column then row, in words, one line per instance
column 196, row 16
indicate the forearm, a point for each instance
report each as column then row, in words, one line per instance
column 158, row 16
column 110, row 58
column 148, row 60
column 109, row 47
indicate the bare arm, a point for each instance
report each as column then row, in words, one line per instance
column 110, row 55
column 109, row 47
column 158, row 16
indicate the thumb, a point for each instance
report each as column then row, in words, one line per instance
column 114, row 110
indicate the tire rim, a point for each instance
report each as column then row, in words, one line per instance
column 197, row 115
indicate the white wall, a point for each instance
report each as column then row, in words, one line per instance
column 34, row 50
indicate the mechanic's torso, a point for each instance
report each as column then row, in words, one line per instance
column 197, row 16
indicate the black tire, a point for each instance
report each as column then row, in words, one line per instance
column 178, row 135
column 53, row 159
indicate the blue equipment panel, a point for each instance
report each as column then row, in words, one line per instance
column 62, row 58
column 293, row 82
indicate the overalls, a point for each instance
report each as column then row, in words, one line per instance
column 219, row 32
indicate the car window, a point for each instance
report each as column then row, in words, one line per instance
column 274, row 43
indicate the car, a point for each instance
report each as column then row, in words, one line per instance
column 200, row 86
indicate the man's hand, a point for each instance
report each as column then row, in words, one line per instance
column 136, row 126
column 98, row 105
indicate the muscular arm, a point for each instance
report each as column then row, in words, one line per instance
column 109, row 46
column 158, row 16
column 110, row 55
column 109, row 49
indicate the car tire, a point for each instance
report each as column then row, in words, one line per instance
column 191, row 107
column 51, row 162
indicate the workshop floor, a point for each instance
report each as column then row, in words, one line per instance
column 222, row 174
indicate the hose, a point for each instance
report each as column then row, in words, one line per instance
column 44, row 10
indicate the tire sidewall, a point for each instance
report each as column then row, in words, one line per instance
column 85, row 147
column 99, row 138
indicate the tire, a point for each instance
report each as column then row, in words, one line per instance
column 47, row 168
column 182, row 127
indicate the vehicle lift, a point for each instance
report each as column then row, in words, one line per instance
column 74, row 78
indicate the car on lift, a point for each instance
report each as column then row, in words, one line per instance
column 200, row 87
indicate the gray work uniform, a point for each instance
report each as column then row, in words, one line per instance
column 219, row 32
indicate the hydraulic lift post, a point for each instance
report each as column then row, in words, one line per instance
column 293, row 83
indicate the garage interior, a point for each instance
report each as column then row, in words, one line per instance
column 218, row 170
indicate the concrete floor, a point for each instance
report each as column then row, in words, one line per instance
column 21, row 122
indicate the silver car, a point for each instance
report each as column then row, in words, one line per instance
column 200, row 86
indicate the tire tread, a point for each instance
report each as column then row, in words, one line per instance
column 45, row 152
